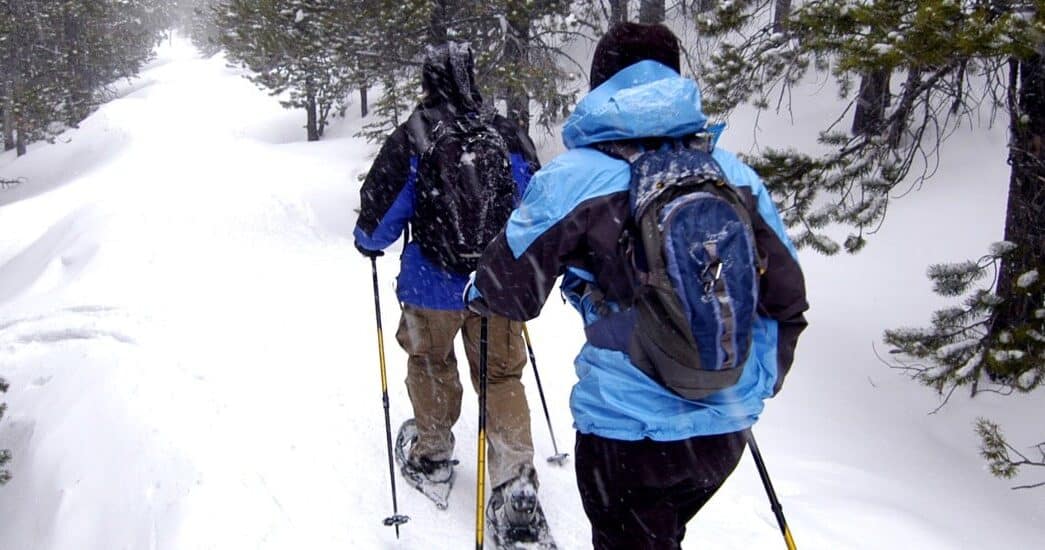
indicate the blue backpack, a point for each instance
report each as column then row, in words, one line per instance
column 695, row 266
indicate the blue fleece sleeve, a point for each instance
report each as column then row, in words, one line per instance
column 392, row 224
column 521, row 172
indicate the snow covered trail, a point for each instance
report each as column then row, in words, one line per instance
column 189, row 335
column 189, row 338
column 182, row 331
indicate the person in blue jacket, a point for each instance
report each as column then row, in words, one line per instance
column 647, row 459
column 432, row 311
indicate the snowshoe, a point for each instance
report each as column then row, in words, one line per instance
column 515, row 519
column 433, row 478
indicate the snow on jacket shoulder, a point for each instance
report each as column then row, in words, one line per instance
column 387, row 208
column 569, row 223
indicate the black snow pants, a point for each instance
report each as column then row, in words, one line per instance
column 639, row 495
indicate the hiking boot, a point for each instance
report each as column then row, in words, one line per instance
column 435, row 471
column 515, row 516
column 433, row 478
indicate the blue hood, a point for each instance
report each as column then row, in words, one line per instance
column 647, row 99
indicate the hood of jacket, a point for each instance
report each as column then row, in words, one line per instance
column 647, row 99
column 448, row 77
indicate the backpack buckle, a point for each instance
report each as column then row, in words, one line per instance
column 710, row 282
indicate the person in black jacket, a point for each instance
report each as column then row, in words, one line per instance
column 432, row 311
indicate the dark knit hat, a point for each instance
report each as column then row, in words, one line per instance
column 628, row 43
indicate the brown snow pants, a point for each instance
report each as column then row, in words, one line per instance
column 434, row 386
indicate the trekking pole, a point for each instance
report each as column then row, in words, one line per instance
column 395, row 520
column 480, row 476
column 778, row 510
column 557, row 458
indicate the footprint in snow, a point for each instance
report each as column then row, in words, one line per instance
column 87, row 322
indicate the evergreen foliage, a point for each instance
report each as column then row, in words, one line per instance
column 388, row 49
column 196, row 19
column 291, row 48
column 57, row 56
column 518, row 46
column 313, row 53
column 963, row 347
column 1005, row 460
column 912, row 71
column 952, row 55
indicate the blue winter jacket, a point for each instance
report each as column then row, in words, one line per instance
column 569, row 223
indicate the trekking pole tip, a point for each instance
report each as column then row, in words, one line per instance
column 396, row 521
column 559, row 459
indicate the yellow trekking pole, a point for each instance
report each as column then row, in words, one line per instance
column 778, row 510
column 480, row 486
column 395, row 520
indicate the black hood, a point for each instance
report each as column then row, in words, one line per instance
column 448, row 76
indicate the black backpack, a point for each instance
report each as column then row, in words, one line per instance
column 464, row 191
column 695, row 265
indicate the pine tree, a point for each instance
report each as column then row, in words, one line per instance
column 651, row 11
column 618, row 11
column 31, row 91
column 387, row 46
column 197, row 20
column 923, row 67
column 518, row 47
column 521, row 58
column 7, row 132
column 56, row 56
column 965, row 342
column 104, row 42
column 290, row 45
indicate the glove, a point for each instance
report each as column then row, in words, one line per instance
column 369, row 253
column 473, row 299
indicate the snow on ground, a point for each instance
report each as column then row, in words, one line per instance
column 189, row 338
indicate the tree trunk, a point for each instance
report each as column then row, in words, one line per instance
column 515, row 51
column 312, row 126
column 21, row 139
column 1026, row 204
column 393, row 91
column 618, row 11
column 364, row 107
column 8, row 121
column 79, row 94
column 7, row 90
column 439, row 22
column 781, row 9
column 651, row 11
column 904, row 106
column 871, row 103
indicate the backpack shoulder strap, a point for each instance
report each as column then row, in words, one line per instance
column 417, row 127
column 629, row 150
